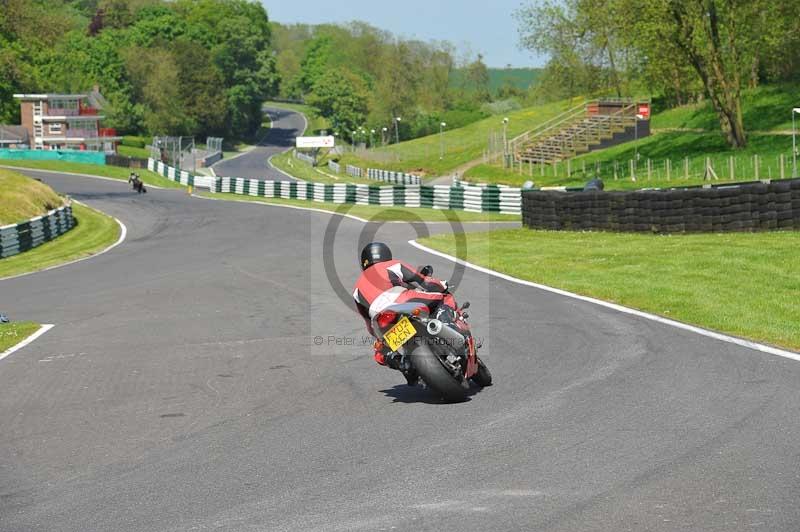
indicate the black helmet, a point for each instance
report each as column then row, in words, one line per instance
column 373, row 253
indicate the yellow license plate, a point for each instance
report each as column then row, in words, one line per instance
column 398, row 335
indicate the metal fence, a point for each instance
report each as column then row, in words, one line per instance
column 710, row 168
column 179, row 152
column 336, row 167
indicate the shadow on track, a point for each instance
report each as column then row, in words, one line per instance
column 402, row 393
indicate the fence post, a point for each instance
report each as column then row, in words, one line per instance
column 731, row 168
column 686, row 168
column 615, row 170
column 755, row 165
column 668, row 167
column 649, row 169
column 783, row 172
column 633, row 176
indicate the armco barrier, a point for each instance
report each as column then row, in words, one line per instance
column 17, row 238
column 393, row 177
column 474, row 199
column 726, row 208
column 467, row 198
column 180, row 176
column 354, row 171
column 303, row 157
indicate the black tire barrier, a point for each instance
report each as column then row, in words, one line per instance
column 743, row 207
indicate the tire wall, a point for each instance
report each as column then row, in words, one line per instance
column 761, row 206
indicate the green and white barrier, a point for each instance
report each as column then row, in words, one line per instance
column 473, row 199
column 489, row 198
column 393, row 177
column 180, row 176
column 17, row 238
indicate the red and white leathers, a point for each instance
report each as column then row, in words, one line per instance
column 389, row 283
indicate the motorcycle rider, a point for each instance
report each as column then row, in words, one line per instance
column 385, row 282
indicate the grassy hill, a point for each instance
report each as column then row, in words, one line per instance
column 687, row 137
column 460, row 145
column 22, row 198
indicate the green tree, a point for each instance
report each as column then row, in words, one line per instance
column 341, row 97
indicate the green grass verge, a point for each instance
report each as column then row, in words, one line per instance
column 740, row 284
column 13, row 333
column 131, row 151
column 316, row 123
column 94, row 232
column 378, row 213
column 22, row 198
column 113, row 172
column 462, row 145
column 613, row 164
column 287, row 163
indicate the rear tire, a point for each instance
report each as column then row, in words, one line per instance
column 484, row 377
column 436, row 376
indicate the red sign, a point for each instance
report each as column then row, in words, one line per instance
column 644, row 111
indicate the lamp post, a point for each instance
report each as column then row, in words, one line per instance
column 794, row 142
column 442, row 125
column 505, row 142
column 397, row 129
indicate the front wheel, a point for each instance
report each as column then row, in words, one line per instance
column 436, row 376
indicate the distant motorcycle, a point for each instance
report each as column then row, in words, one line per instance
column 137, row 183
column 444, row 355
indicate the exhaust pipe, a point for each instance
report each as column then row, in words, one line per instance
column 444, row 332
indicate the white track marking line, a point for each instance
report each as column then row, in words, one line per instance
column 79, row 175
column 619, row 308
column 122, row 235
column 42, row 329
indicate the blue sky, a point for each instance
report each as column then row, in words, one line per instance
column 471, row 25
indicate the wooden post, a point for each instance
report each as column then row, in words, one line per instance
column 755, row 165
column 633, row 175
column 731, row 168
column 686, row 168
column 668, row 166
column 616, row 166
column 541, row 167
column 783, row 171
column 649, row 169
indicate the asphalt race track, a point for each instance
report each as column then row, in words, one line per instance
column 181, row 389
column 286, row 125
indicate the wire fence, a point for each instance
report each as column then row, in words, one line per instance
column 213, row 144
column 178, row 152
column 712, row 168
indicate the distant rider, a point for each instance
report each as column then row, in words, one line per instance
column 385, row 282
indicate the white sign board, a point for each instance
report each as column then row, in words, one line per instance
column 315, row 142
